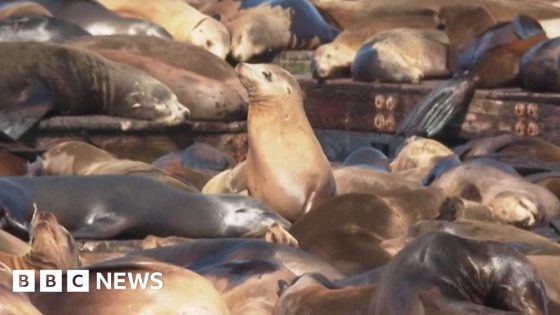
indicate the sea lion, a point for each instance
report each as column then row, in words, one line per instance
column 546, row 266
column 248, row 287
column 403, row 55
column 11, row 165
column 185, row 23
column 510, row 198
column 171, row 164
column 278, row 25
column 20, row 8
column 505, row 280
column 369, row 181
column 12, row 245
column 549, row 180
column 84, row 83
column 80, row 158
column 13, row 303
column 39, row 29
column 491, row 61
column 98, row 20
column 101, row 207
column 539, row 69
column 178, row 291
column 227, row 10
column 232, row 181
column 333, row 60
column 419, row 152
column 206, row 157
column 313, row 294
column 290, row 181
column 208, row 252
column 51, row 246
column 367, row 157
column 17, row 208
column 347, row 13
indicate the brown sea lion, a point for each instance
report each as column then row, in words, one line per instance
column 403, row 55
column 171, row 164
column 550, row 181
column 84, row 83
column 346, row 13
column 492, row 60
column 346, row 230
column 445, row 264
column 174, row 291
column 11, row 165
column 313, row 294
column 278, row 25
column 13, row 303
column 547, row 266
column 100, row 207
column 333, row 60
column 511, row 198
column 80, row 158
column 207, row 252
column 184, row 22
column 248, row 287
column 12, row 245
column 232, row 181
column 355, row 179
column 19, row 8
column 291, row 181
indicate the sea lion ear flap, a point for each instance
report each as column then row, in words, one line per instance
column 526, row 27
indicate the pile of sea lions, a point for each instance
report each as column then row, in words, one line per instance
column 430, row 229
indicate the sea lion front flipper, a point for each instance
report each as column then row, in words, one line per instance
column 107, row 226
column 433, row 113
column 28, row 107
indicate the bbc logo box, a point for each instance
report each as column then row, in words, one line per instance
column 50, row 281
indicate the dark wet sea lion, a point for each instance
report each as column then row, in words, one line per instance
column 313, row 294
column 539, row 68
column 17, row 208
column 21, row 8
column 80, row 158
column 11, row 165
column 203, row 253
column 206, row 157
column 505, row 280
column 491, row 61
column 184, row 22
column 179, row 291
column 248, row 287
column 367, row 157
column 103, row 207
column 334, row 59
column 402, row 55
column 98, row 20
column 278, row 25
column 38, row 29
column 510, row 198
column 290, row 181
column 171, row 164
column 85, row 83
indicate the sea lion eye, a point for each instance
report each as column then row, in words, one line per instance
column 267, row 75
column 209, row 43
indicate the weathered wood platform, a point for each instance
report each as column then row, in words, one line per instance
column 345, row 114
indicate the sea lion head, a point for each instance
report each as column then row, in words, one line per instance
column 51, row 244
column 332, row 60
column 259, row 31
column 515, row 209
column 266, row 82
column 212, row 36
column 247, row 216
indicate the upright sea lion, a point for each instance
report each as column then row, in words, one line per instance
column 80, row 158
column 313, row 294
column 102, row 207
column 511, row 198
column 491, row 61
column 20, row 8
column 539, row 69
column 185, row 23
column 402, row 55
column 333, row 60
column 278, row 25
column 84, row 83
column 98, row 20
column 445, row 264
column 173, row 291
column 248, row 287
column 292, row 180
column 39, row 29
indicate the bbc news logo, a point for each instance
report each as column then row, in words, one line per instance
column 78, row 281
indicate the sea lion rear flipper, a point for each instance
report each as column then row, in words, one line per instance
column 433, row 113
column 29, row 106
column 107, row 226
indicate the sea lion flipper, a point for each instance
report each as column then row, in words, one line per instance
column 433, row 113
column 105, row 227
